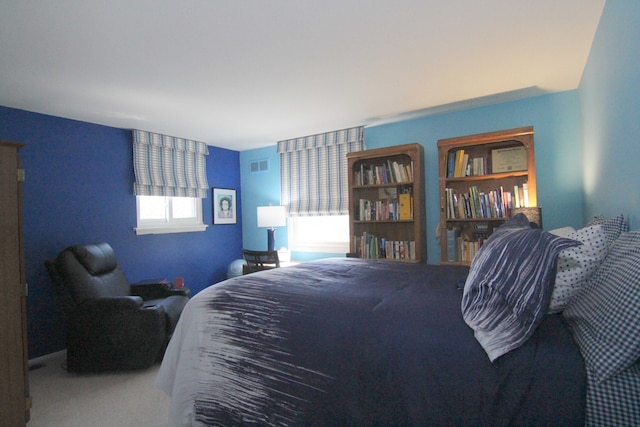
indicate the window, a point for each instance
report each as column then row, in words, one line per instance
column 314, row 188
column 328, row 234
column 160, row 214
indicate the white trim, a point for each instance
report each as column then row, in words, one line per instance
column 169, row 229
column 168, row 224
column 328, row 247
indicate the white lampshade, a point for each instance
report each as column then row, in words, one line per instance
column 272, row 216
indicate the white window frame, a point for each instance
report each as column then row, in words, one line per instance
column 298, row 243
column 169, row 224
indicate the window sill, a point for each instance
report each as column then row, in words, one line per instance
column 171, row 229
column 328, row 247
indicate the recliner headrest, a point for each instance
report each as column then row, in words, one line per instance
column 97, row 258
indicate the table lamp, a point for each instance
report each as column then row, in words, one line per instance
column 271, row 217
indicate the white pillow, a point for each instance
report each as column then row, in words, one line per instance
column 563, row 232
column 577, row 264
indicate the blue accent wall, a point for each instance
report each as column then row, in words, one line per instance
column 79, row 189
column 610, row 105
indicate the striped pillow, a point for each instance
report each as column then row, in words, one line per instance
column 509, row 286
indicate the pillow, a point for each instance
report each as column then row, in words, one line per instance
column 516, row 222
column 507, row 292
column 563, row 232
column 604, row 314
column 577, row 264
column 613, row 227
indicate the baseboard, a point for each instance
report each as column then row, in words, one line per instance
column 42, row 360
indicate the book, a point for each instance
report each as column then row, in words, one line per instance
column 466, row 166
column 452, row 240
column 404, row 201
column 459, row 163
column 451, row 164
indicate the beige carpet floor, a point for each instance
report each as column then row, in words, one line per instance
column 61, row 399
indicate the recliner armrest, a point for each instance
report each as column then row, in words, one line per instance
column 127, row 302
column 113, row 312
column 155, row 290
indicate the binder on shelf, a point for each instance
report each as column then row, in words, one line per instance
column 404, row 200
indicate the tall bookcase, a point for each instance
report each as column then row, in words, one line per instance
column 386, row 203
column 482, row 177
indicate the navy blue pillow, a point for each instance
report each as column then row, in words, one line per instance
column 508, row 290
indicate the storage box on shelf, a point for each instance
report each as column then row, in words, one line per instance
column 386, row 203
column 482, row 177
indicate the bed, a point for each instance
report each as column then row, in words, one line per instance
column 353, row 342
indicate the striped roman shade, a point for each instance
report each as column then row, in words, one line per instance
column 169, row 166
column 313, row 172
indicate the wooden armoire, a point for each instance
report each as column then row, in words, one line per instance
column 15, row 403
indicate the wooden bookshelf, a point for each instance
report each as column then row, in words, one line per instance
column 386, row 203
column 478, row 191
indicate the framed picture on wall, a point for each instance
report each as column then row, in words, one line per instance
column 224, row 206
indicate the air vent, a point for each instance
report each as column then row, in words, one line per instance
column 259, row 166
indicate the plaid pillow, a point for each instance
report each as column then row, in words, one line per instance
column 615, row 402
column 604, row 315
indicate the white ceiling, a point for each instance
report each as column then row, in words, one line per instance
column 243, row 74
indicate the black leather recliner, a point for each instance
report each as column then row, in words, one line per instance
column 110, row 324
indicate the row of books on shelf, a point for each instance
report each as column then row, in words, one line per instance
column 459, row 164
column 386, row 209
column 491, row 204
column 508, row 159
column 370, row 245
column 390, row 172
column 461, row 248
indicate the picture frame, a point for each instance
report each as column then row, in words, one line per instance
column 509, row 159
column 224, row 205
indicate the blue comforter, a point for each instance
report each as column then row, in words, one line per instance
column 360, row 342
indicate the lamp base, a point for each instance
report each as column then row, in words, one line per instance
column 271, row 239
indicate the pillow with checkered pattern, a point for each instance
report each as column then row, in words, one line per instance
column 613, row 227
column 577, row 264
column 604, row 315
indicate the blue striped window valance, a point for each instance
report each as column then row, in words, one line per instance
column 169, row 166
column 313, row 172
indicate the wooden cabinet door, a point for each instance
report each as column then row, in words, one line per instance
column 14, row 401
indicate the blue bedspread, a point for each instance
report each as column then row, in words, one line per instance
column 360, row 342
